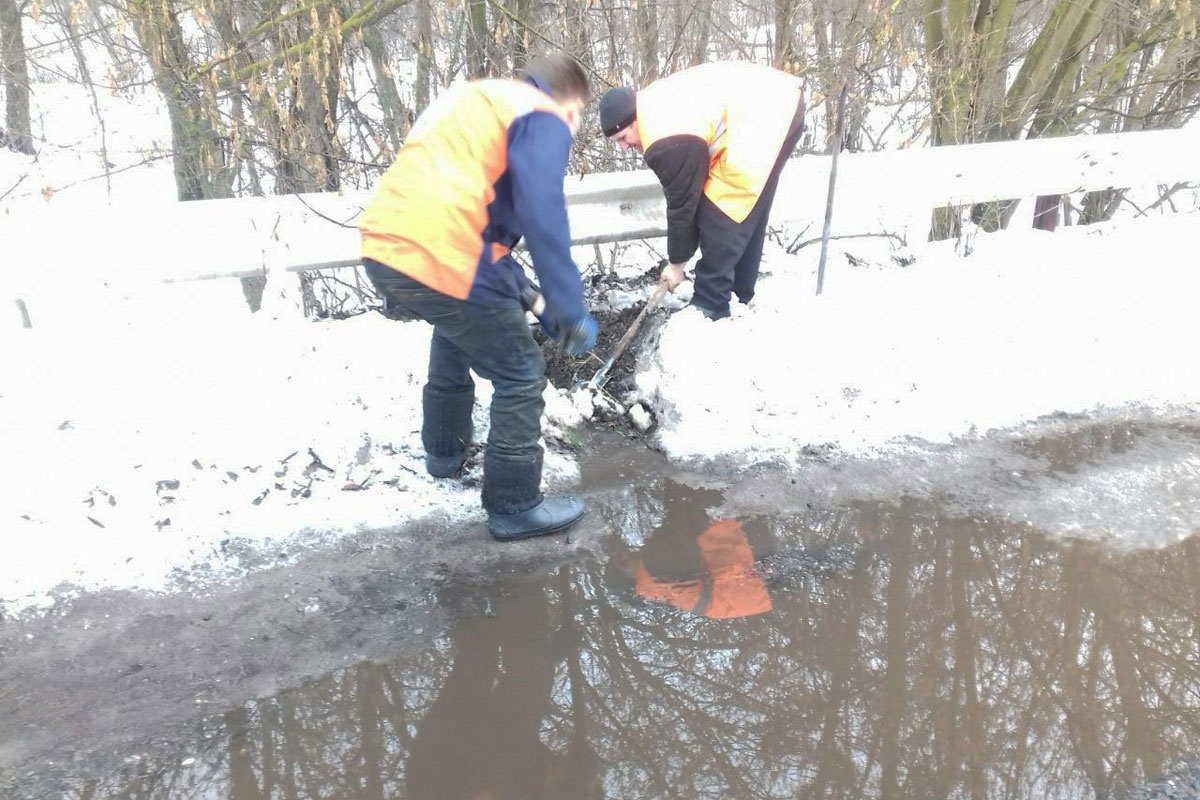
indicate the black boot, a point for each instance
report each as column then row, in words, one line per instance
column 511, row 480
column 513, row 499
column 713, row 313
column 552, row 515
column 447, row 430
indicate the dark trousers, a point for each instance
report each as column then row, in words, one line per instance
column 497, row 344
column 730, row 252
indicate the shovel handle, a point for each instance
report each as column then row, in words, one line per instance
column 598, row 380
column 654, row 300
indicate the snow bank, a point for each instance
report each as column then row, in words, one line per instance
column 1029, row 324
column 197, row 441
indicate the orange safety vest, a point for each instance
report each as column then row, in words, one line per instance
column 742, row 111
column 737, row 589
column 429, row 212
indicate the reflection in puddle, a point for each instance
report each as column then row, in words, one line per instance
column 876, row 651
column 701, row 566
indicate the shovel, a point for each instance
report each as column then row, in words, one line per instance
column 601, row 377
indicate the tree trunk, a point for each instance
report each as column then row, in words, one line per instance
column 243, row 782
column 576, row 35
column 1045, row 74
column 262, row 107
column 478, row 39
column 309, row 148
column 703, row 25
column 424, row 54
column 647, row 20
column 395, row 115
column 1100, row 206
column 201, row 171
column 85, row 76
column 366, row 769
column 896, row 680
column 994, row 215
column 785, row 35
column 519, row 35
column 965, row 43
column 15, row 74
column 966, row 665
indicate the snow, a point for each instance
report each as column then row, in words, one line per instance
column 640, row 417
column 122, row 385
column 68, row 171
column 131, row 403
column 1029, row 324
column 186, row 428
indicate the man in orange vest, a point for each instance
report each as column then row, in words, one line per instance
column 482, row 167
column 717, row 136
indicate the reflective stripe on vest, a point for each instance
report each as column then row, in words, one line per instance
column 742, row 111
column 427, row 216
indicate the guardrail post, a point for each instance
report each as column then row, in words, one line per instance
column 24, row 309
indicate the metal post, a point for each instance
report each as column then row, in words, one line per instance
column 24, row 309
column 837, row 148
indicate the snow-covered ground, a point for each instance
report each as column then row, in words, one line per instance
column 185, row 429
column 170, row 429
column 163, row 432
column 1028, row 324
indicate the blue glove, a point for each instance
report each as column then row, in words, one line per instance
column 579, row 337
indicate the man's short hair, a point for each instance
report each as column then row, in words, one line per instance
column 563, row 76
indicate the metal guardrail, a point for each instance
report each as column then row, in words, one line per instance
column 891, row 191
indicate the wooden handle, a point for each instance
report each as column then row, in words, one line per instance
column 654, row 300
column 598, row 379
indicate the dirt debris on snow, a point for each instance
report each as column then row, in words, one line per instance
column 614, row 302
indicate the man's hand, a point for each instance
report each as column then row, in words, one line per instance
column 579, row 337
column 672, row 276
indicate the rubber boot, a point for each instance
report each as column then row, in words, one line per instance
column 447, row 429
column 713, row 313
column 511, row 480
column 513, row 499
column 552, row 515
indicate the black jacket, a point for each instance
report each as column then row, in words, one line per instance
column 681, row 164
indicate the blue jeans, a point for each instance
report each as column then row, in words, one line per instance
column 498, row 345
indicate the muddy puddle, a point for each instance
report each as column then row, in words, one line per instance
column 877, row 648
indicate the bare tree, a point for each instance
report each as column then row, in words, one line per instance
column 69, row 22
column 425, row 50
column 1084, row 62
column 478, row 44
column 647, row 24
column 15, row 73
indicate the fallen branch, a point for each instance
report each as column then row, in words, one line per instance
column 796, row 247
column 304, row 203
column 317, row 464
column 1167, row 194
column 13, row 188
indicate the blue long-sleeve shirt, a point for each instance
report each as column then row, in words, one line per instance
column 530, row 203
